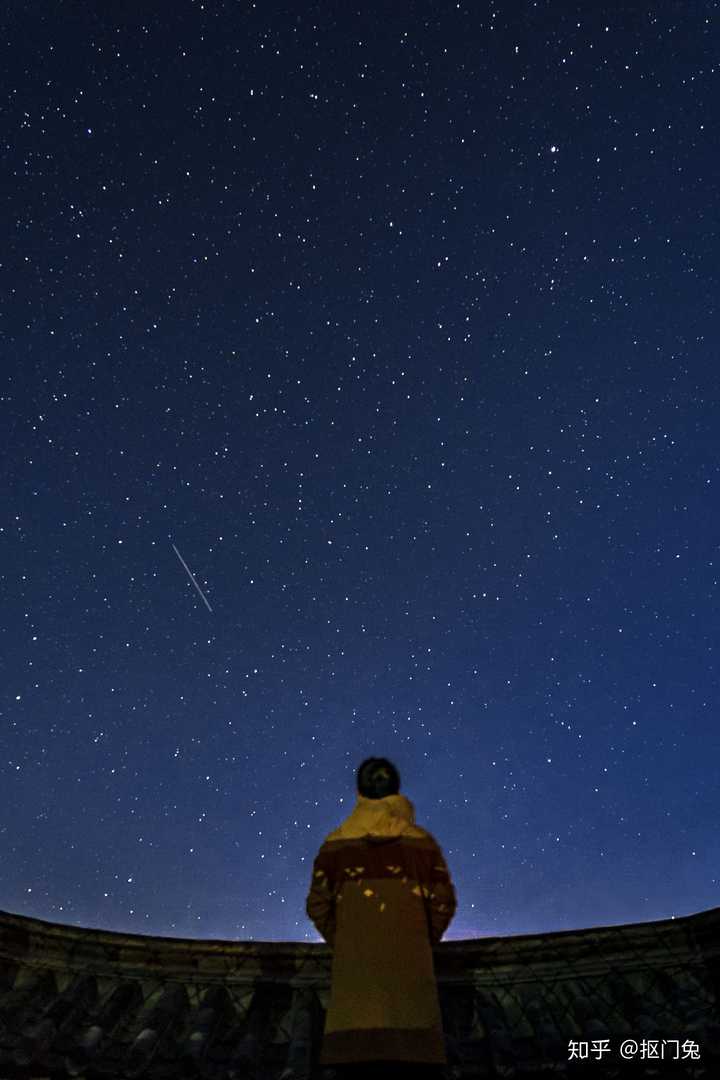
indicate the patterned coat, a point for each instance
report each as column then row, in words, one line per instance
column 381, row 896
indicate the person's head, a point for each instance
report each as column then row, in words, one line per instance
column 377, row 777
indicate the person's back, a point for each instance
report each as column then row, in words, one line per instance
column 382, row 897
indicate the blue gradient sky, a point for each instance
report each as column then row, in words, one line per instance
column 402, row 326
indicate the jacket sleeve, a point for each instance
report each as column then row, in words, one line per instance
column 441, row 902
column 320, row 905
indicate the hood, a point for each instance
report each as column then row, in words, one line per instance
column 380, row 819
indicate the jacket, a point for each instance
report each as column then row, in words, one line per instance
column 381, row 897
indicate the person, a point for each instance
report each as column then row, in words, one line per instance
column 381, row 896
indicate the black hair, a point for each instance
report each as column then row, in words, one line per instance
column 377, row 777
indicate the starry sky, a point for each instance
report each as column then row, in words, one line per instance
column 397, row 323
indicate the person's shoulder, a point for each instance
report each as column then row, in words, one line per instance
column 416, row 832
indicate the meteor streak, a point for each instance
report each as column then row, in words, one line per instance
column 192, row 578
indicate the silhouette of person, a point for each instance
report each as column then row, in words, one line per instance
column 381, row 896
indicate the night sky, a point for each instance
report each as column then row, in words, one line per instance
column 399, row 322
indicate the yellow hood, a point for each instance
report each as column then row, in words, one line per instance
column 392, row 816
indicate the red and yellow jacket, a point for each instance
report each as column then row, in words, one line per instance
column 381, row 896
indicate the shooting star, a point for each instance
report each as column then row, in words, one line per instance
column 192, row 578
